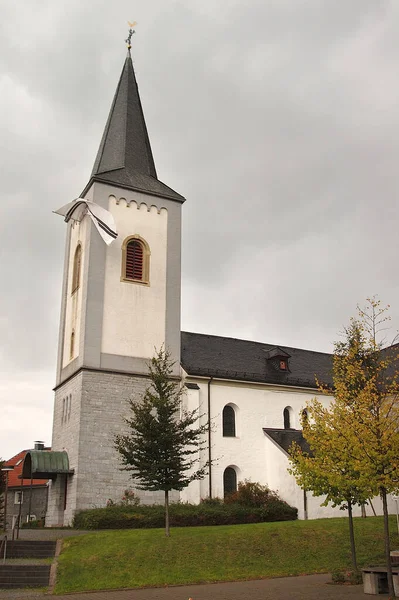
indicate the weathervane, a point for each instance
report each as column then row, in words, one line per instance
column 128, row 40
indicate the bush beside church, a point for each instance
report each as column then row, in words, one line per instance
column 252, row 503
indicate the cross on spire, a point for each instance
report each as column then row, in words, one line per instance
column 128, row 40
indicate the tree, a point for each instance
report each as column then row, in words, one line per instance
column 361, row 424
column 162, row 446
column 327, row 469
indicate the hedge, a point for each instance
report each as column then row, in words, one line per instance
column 183, row 515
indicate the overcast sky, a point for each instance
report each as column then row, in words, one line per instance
column 278, row 120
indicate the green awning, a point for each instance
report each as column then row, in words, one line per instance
column 44, row 464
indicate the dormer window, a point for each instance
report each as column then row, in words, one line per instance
column 278, row 359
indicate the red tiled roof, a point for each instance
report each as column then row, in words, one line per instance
column 17, row 462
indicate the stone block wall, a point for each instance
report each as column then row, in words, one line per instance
column 99, row 401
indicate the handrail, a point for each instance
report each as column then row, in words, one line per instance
column 3, row 544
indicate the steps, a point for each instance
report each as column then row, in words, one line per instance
column 30, row 549
column 14, row 576
column 21, row 576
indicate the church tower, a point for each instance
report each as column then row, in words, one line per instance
column 119, row 303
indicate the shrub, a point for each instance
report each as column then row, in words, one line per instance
column 351, row 577
column 252, row 494
column 338, row 577
column 183, row 515
column 354, row 577
column 212, row 501
column 35, row 524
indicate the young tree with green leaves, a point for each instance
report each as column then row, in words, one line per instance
column 161, row 448
column 327, row 469
column 362, row 420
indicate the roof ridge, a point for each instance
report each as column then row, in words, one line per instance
column 282, row 346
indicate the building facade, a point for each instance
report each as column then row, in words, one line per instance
column 26, row 498
column 120, row 301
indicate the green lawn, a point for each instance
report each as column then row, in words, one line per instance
column 137, row 558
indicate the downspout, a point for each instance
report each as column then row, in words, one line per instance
column 209, row 437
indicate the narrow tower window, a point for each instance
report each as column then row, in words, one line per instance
column 229, row 422
column 229, row 481
column 135, row 260
column 77, row 259
column 72, row 346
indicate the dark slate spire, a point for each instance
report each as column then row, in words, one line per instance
column 124, row 157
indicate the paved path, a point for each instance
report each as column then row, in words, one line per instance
column 310, row 587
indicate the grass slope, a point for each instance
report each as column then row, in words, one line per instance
column 137, row 558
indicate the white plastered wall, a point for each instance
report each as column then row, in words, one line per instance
column 252, row 453
column 73, row 314
column 134, row 314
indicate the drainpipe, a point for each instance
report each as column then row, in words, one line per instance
column 209, row 437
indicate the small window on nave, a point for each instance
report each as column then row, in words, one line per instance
column 229, row 421
column 287, row 418
column 229, row 481
column 135, row 260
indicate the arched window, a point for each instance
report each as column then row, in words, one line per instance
column 304, row 415
column 72, row 346
column 77, row 259
column 229, row 481
column 229, row 421
column 135, row 260
column 287, row 418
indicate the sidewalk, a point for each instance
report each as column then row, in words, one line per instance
column 309, row 587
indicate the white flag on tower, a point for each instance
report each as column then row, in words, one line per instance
column 102, row 218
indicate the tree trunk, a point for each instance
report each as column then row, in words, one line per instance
column 383, row 494
column 352, row 536
column 372, row 507
column 167, row 530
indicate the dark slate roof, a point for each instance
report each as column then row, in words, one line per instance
column 124, row 157
column 285, row 437
column 229, row 358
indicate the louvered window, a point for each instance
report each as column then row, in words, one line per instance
column 229, row 422
column 229, row 481
column 134, row 260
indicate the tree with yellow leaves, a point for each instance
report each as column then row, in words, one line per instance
column 355, row 442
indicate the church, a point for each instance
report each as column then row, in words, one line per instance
column 120, row 301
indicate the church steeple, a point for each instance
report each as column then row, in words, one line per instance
column 124, row 157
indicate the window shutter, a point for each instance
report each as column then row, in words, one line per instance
column 134, row 260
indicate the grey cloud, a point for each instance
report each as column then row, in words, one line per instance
column 277, row 120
